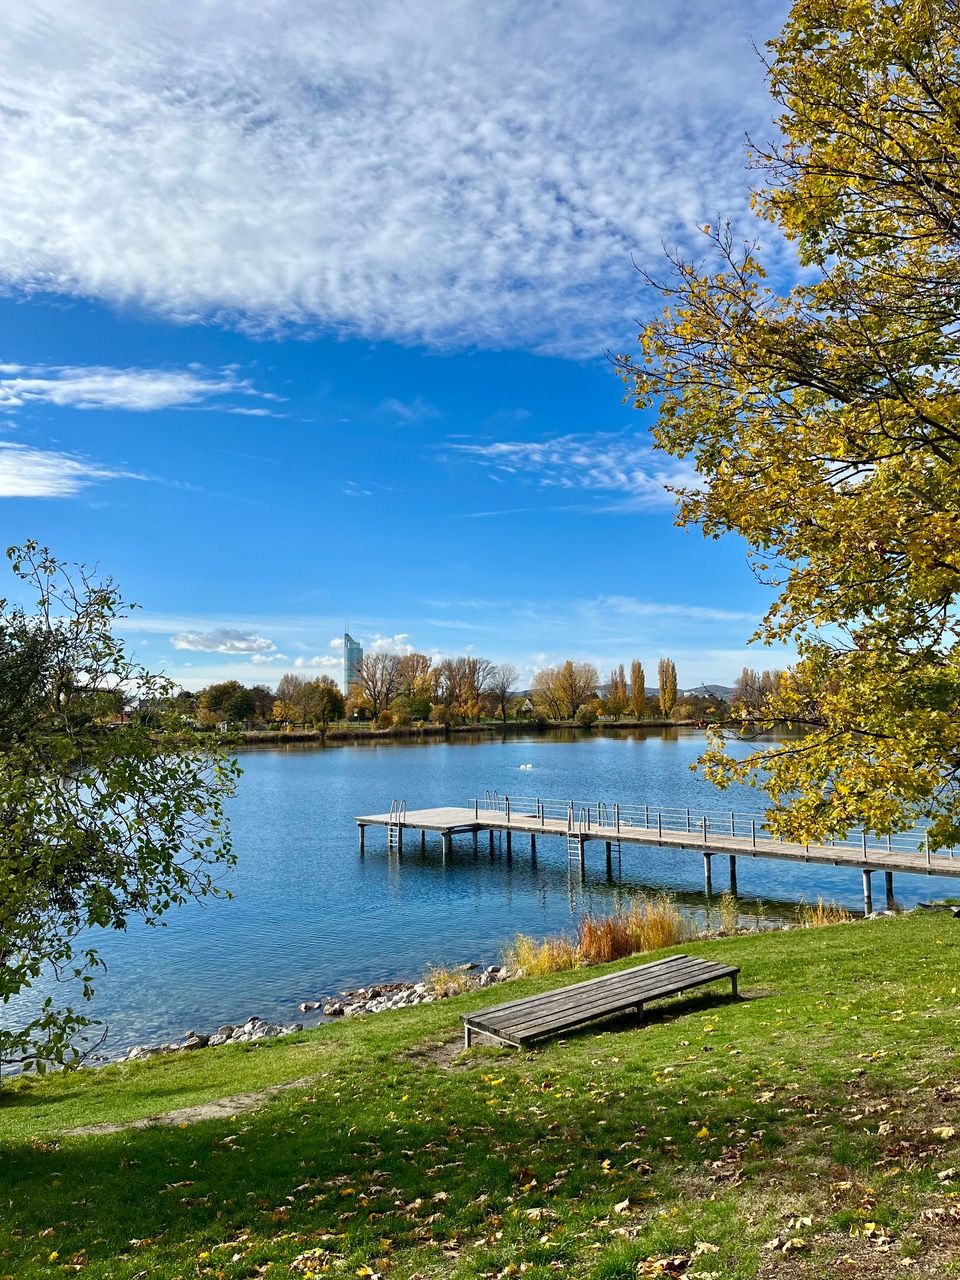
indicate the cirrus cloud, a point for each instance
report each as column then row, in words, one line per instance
column 448, row 173
column 26, row 472
column 136, row 390
column 628, row 473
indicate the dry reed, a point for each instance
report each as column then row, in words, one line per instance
column 552, row 955
column 728, row 910
column 823, row 913
column 447, row 982
column 650, row 923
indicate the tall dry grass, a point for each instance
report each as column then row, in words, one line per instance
column 649, row 924
column 823, row 913
column 446, row 982
column 552, row 955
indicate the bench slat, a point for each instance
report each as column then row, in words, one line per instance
column 580, row 1002
column 647, row 977
column 628, row 994
column 588, row 984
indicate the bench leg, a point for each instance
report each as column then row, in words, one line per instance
column 467, row 1036
column 733, row 985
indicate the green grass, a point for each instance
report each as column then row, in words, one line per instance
column 804, row 1114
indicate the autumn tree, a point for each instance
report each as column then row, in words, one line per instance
column 617, row 700
column 290, row 705
column 638, row 691
column 546, row 694
column 462, row 684
column 322, row 702
column 502, row 682
column 667, row 676
column 96, row 828
column 822, row 417
column 753, row 690
column 378, row 680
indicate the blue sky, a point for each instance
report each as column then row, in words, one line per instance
column 302, row 321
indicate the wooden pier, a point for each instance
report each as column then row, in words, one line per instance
column 728, row 834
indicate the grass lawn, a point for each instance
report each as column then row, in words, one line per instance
column 804, row 1130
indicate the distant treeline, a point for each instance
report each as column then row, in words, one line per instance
column 399, row 690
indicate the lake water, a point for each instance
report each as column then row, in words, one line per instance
column 310, row 917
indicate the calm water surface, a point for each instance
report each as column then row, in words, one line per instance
column 310, row 917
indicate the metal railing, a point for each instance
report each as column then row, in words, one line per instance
column 600, row 818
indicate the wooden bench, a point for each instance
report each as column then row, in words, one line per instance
column 519, row 1021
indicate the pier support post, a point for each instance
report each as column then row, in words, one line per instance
column 707, row 876
column 399, row 841
column 888, row 886
column 583, row 858
column 447, row 844
column 867, row 892
column 509, row 845
column 533, row 847
column 491, row 843
column 733, row 875
column 608, row 850
column 362, row 838
column 423, row 842
column 475, row 840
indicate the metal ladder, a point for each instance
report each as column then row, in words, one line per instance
column 575, row 835
column 398, row 811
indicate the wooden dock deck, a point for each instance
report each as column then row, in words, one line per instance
column 711, row 835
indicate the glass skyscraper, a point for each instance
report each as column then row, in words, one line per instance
column 352, row 657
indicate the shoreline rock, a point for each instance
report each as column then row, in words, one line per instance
column 379, row 998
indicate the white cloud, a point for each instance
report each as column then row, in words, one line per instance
column 101, row 387
column 222, row 640
column 26, row 472
column 435, row 172
column 321, row 662
column 607, row 463
column 388, row 644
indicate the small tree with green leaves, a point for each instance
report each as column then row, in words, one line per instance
column 98, row 824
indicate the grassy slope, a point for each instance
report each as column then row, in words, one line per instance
column 805, row 1113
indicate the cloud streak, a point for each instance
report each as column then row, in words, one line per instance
column 26, row 472
column 135, row 390
column 467, row 174
column 621, row 468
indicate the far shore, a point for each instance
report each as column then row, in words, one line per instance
column 367, row 732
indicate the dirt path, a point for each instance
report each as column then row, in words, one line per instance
column 218, row 1109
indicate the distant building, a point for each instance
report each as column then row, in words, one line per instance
column 352, row 657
